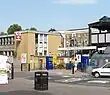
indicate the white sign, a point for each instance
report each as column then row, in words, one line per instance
column 3, row 70
column 66, row 60
column 78, row 56
column 23, row 58
column 18, row 35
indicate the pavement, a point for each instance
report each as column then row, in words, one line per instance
column 23, row 84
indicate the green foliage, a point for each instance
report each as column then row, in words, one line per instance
column 34, row 29
column 13, row 28
column 51, row 30
column 2, row 33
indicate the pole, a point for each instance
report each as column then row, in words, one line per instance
column 12, row 71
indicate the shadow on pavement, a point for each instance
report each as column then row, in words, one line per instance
column 22, row 92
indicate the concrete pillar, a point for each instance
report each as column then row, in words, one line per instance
column 11, row 53
column 4, row 53
column 7, row 53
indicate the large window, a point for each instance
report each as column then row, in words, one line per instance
column 107, row 37
column 101, row 38
column 45, row 52
column 41, row 37
column 94, row 39
column 107, row 66
column 45, row 38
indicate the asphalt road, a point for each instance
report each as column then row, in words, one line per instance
column 68, row 79
column 23, row 85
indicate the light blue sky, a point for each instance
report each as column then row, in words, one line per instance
column 59, row 14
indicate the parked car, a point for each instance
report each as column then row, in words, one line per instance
column 102, row 71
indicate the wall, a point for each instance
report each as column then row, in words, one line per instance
column 54, row 41
column 26, row 45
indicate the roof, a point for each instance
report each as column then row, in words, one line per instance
column 102, row 24
column 77, row 29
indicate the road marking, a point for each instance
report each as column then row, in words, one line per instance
column 98, row 81
column 66, row 76
column 71, row 80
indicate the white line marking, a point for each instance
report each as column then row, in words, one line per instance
column 65, row 76
column 97, row 81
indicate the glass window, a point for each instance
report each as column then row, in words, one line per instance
column 41, row 37
column 40, row 54
column 107, row 66
column 45, row 52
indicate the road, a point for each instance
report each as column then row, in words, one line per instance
column 23, row 85
column 59, row 77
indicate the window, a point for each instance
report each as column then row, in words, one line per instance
column 108, row 37
column 45, row 52
column 41, row 37
column 107, row 66
column 101, row 38
column 94, row 39
column 45, row 38
column 40, row 54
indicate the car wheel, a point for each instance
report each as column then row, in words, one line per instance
column 96, row 75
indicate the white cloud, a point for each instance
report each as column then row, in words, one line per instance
column 75, row 1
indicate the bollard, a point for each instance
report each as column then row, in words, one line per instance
column 21, row 67
column 28, row 67
column 12, row 71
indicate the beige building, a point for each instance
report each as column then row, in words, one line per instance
column 71, row 39
column 30, row 46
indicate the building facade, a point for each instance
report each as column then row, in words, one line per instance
column 29, row 44
column 99, row 35
column 7, row 45
column 76, row 38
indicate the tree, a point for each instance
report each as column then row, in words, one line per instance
column 13, row 28
column 2, row 33
column 52, row 30
column 34, row 29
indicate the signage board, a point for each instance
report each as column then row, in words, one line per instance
column 23, row 58
column 3, row 70
column 18, row 35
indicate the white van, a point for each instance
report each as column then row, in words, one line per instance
column 102, row 71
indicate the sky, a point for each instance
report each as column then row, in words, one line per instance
column 46, row 14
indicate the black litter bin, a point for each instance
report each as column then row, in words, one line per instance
column 41, row 81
